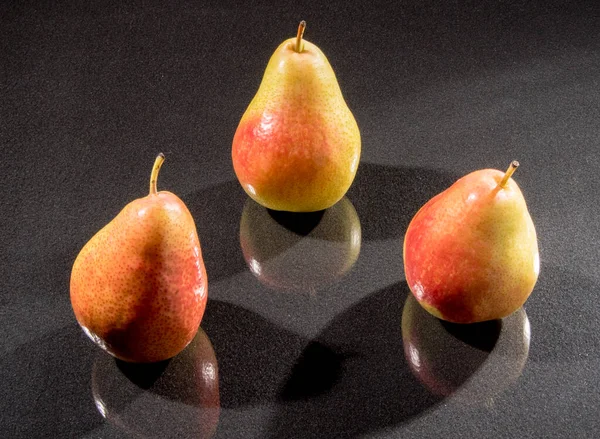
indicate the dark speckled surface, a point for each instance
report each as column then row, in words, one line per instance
column 312, row 333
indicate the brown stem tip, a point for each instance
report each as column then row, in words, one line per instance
column 509, row 172
column 299, row 46
column 160, row 158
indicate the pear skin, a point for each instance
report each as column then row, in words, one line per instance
column 139, row 286
column 297, row 146
column 471, row 253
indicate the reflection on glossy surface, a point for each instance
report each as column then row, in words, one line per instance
column 300, row 251
column 471, row 362
column 352, row 379
column 173, row 398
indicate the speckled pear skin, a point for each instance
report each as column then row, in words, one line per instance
column 139, row 286
column 471, row 253
column 297, row 146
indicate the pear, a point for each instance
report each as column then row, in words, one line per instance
column 471, row 253
column 297, row 146
column 139, row 286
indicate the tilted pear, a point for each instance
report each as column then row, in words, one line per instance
column 471, row 253
column 297, row 146
column 139, row 286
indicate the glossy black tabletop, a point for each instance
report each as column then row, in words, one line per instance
column 310, row 329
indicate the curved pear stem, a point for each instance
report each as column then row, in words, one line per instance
column 510, row 171
column 299, row 46
column 160, row 158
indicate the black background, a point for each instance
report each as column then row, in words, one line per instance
column 91, row 92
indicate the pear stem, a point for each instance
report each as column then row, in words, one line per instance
column 301, row 28
column 510, row 171
column 160, row 158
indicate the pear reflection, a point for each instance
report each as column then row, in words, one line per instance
column 473, row 363
column 173, row 398
column 300, row 251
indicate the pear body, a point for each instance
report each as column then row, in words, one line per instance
column 297, row 146
column 470, row 253
column 139, row 286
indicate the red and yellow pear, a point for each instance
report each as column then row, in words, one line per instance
column 139, row 286
column 471, row 253
column 297, row 146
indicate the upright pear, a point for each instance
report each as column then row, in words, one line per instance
column 297, row 146
column 139, row 286
column 471, row 253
